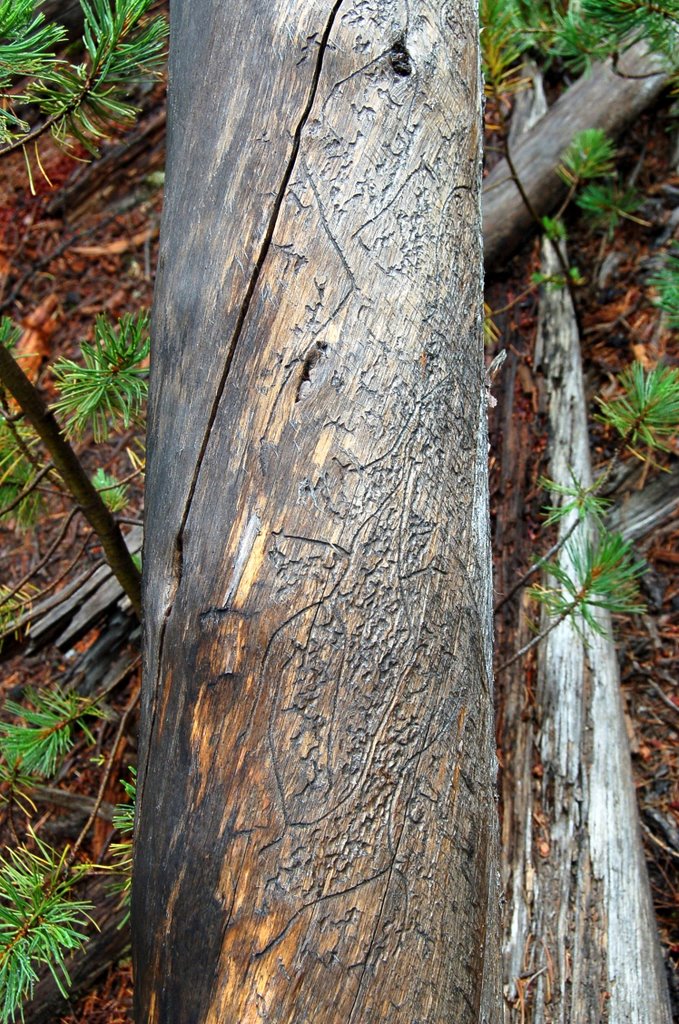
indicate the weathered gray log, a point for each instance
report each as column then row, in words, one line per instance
column 316, row 833
column 638, row 512
column 581, row 940
column 603, row 100
column 66, row 616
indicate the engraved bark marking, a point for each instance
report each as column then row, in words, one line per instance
column 456, row 775
column 391, row 870
column 238, row 330
column 323, row 898
column 331, row 238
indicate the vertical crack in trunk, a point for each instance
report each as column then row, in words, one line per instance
column 178, row 555
column 256, row 272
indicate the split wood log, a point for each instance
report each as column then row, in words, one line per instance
column 317, row 827
column 582, row 942
column 603, row 100
column 64, row 617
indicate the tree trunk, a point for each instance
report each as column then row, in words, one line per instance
column 317, row 826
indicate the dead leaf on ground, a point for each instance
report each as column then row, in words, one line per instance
column 33, row 347
column 118, row 245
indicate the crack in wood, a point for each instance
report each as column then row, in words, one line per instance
column 178, row 560
column 311, row 359
column 256, row 273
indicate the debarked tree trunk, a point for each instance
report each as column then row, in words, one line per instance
column 317, row 825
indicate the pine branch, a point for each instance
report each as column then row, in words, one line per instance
column 39, row 745
column 112, row 383
column 14, row 380
column 82, row 101
column 40, row 922
column 599, row 574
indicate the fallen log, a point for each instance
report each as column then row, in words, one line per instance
column 604, row 99
column 316, row 823
column 581, row 941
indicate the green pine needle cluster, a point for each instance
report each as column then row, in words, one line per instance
column 646, row 413
column 13, row 603
column 14, row 788
column 17, row 476
column 574, row 499
column 123, row 816
column 111, row 386
column 17, row 472
column 79, row 102
column 121, row 852
column 26, row 51
column 39, row 745
column 607, row 203
column 576, row 33
column 596, row 29
column 40, row 921
column 502, row 45
column 9, row 332
column 112, row 491
column 666, row 283
column 591, row 156
column 602, row 574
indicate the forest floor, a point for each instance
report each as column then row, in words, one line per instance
column 87, row 244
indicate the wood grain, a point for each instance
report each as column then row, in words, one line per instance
column 582, row 926
column 317, row 835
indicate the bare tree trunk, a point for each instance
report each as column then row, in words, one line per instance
column 317, row 835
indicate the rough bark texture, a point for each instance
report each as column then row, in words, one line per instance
column 317, row 836
column 581, row 941
column 603, row 100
